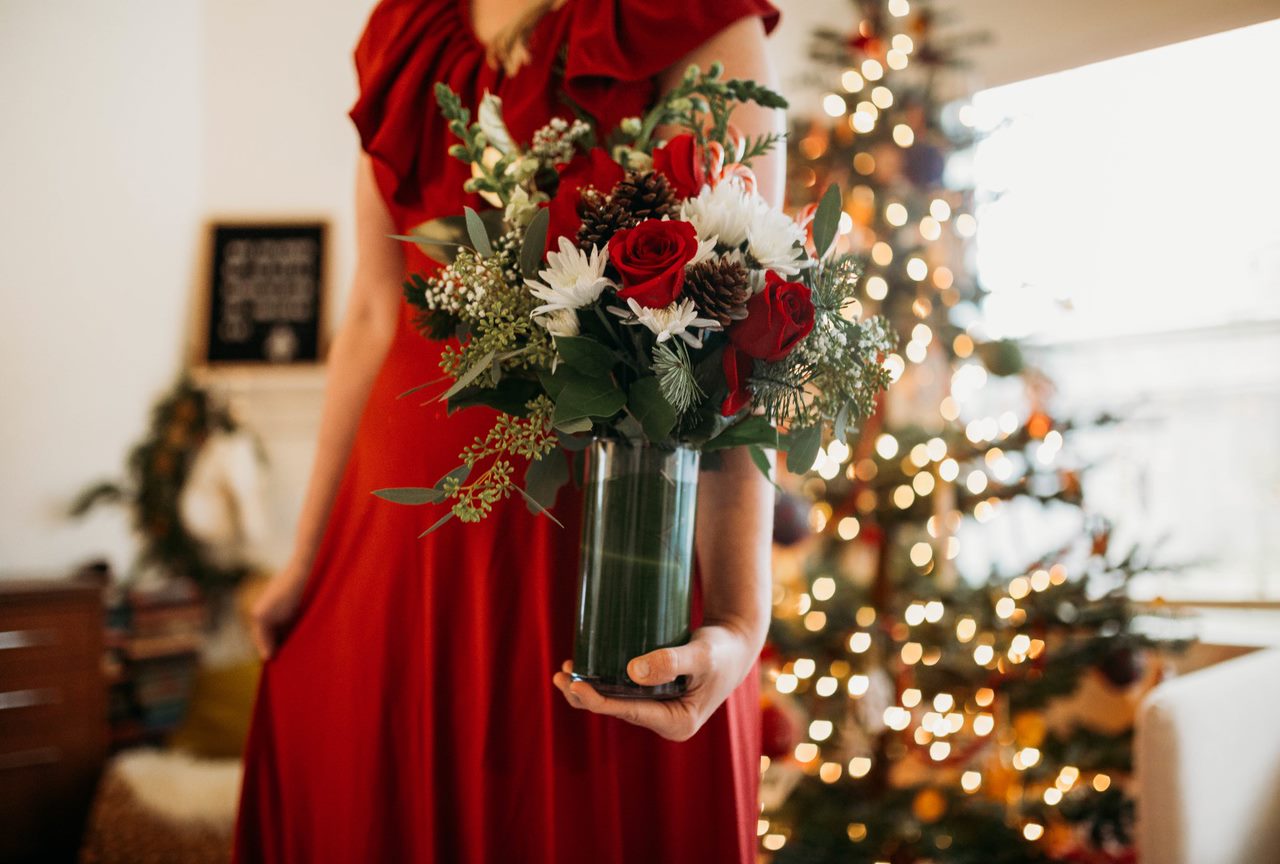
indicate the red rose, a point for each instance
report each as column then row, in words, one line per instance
column 737, row 368
column 594, row 169
column 650, row 258
column 777, row 318
column 680, row 161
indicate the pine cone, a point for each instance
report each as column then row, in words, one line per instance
column 646, row 195
column 601, row 219
column 719, row 287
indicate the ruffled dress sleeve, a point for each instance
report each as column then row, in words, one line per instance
column 629, row 42
column 604, row 55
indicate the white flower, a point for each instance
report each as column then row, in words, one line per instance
column 776, row 242
column 706, row 249
column 673, row 320
column 561, row 322
column 723, row 211
column 573, row 278
column 522, row 206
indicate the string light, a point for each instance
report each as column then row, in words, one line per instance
column 829, row 772
column 859, row 643
column 858, row 685
column 902, row 42
column 865, row 616
column 820, row 730
column 786, row 683
column 804, row 668
column 834, row 105
column 899, row 8
column 882, row 253
column 939, row 209
column 895, row 214
column 983, row 724
column 872, row 70
column 903, row 135
column 860, row 766
column 806, row 751
column 896, row 59
column 877, row 288
column 826, row 686
column 824, row 588
column 1033, row 831
column 911, row 697
column 847, row 528
column 851, row 81
column 970, row 781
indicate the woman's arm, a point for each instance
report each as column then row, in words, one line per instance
column 354, row 360
column 735, row 502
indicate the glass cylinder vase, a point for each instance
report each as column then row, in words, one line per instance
column 636, row 562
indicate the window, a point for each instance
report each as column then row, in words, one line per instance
column 1129, row 229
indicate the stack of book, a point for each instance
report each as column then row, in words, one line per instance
column 154, row 638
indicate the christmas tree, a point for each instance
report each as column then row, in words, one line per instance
column 925, row 698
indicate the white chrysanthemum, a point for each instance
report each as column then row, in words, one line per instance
column 669, row 321
column 776, row 242
column 573, row 278
column 723, row 211
column 706, row 249
column 561, row 322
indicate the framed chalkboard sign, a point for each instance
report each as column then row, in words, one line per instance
column 265, row 303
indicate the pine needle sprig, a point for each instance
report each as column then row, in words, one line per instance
column 675, row 376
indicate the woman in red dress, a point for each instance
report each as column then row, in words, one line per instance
column 410, row 708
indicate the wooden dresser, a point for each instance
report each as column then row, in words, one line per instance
column 53, row 715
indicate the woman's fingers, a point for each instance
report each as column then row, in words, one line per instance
column 667, row 664
column 262, row 639
column 672, row 719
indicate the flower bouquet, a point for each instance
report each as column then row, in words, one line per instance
column 627, row 306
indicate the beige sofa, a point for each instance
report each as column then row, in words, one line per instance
column 1208, row 766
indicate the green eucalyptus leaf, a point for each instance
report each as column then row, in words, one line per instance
column 575, row 426
column 443, row 519
column 761, row 460
column 510, row 396
column 544, row 477
column 464, row 381
column 652, row 409
column 588, row 397
column 537, row 508
column 754, row 430
column 827, row 220
column 535, row 242
column 412, row 495
column 802, row 448
column 478, row 233
column 841, row 426
column 585, row 355
column 461, row 473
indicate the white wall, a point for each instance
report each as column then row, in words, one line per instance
column 127, row 125
column 100, row 162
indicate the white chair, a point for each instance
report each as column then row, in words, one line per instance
column 1208, row 766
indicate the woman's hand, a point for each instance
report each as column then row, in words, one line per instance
column 716, row 660
column 275, row 609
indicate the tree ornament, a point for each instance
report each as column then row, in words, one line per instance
column 929, row 805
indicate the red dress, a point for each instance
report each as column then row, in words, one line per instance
column 410, row 716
